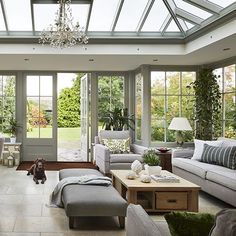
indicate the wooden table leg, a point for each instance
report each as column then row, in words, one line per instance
column 193, row 201
column 132, row 196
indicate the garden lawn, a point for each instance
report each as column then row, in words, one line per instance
column 64, row 134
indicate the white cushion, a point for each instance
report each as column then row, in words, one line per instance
column 226, row 142
column 199, row 145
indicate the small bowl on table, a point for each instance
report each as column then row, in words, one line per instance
column 163, row 149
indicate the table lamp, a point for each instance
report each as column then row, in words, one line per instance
column 179, row 124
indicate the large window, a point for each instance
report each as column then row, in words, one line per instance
column 39, row 106
column 110, row 95
column 227, row 82
column 7, row 102
column 171, row 96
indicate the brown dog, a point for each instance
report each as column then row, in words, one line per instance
column 38, row 171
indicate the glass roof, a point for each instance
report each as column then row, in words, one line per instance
column 115, row 18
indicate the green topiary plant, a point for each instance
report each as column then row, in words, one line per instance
column 207, row 105
column 151, row 158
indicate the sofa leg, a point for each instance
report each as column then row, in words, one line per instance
column 122, row 221
column 71, row 222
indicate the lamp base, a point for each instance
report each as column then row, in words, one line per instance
column 179, row 139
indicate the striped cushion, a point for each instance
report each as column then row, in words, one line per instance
column 223, row 156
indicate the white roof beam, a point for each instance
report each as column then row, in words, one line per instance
column 4, row 16
column 56, row 1
column 118, row 10
column 32, row 16
column 188, row 17
column 165, row 24
column 145, row 15
column 170, row 5
column 205, row 5
column 89, row 16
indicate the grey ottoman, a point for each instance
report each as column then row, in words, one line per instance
column 91, row 200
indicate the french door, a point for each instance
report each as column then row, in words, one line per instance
column 84, row 116
column 39, row 122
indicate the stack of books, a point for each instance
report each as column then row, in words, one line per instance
column 165, row 178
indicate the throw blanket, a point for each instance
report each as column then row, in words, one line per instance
column 56, row 196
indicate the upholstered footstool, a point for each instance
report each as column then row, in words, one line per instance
column 91, row 200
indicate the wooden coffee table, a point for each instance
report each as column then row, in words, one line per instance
column 157, row 197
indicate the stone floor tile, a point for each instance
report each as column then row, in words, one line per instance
column 7, row 223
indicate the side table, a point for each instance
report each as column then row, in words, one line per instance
column 165, row 158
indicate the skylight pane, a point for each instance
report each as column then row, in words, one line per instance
column 222, row 3
column 18, row 15
column 130, row 15
column 189, row 25
column 172, row 27
column 192, row 9
column 102, row 15
column 156, row 17
column 44, row 15
column 80, row 13
column 2, row 25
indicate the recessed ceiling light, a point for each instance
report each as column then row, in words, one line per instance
column 91, row 59
column 226, row 49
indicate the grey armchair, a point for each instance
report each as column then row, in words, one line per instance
column 107, row 161
column 139, row 223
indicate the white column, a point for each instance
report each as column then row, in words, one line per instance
column 146, row 110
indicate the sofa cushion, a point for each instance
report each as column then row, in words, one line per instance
column 125, row 158
column 77, row 172
column 193, row 166
column 223, row 176
column 189, row 223
column 117, row 145
column 110, row 134
column 226, row 142
column 199, row 145
column 224, row 156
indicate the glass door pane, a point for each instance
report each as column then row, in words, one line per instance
column 84, row 117
column 40, row 126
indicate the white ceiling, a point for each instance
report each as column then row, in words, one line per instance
column 204, row 50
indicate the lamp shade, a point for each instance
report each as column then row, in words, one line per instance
column 179, row 123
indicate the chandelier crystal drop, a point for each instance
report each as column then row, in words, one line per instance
column 63, row 33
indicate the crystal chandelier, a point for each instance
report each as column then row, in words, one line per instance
column 63, row 33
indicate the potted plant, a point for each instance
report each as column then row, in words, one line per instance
column 118, row 119
column 152, row 161
column 12, row 129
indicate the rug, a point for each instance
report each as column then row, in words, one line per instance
column 53, row 165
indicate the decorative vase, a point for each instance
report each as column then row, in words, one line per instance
column 145, row 178
column 131, row 175
column 152, row 170
column 136, row 166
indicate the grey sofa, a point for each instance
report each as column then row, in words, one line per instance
column 216, row 180
column 107, row 161
column 140, row 224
